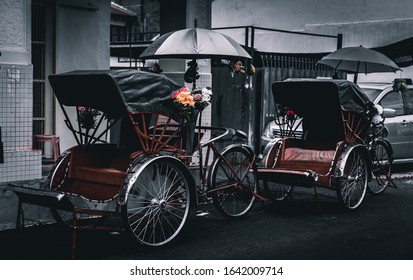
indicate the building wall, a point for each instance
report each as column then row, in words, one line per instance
column 82, row 43
column 21, row 162
column 15, row 32
column 370, row 23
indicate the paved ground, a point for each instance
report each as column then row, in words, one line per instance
column 294, row 230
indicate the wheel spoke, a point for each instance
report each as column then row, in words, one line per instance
column 381, row 167
column 231, row 178
column 353, row 184
column 158, row 203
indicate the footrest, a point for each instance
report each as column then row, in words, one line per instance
column 305, row 178
column 47, row 198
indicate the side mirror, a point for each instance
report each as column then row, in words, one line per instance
column 389, row 113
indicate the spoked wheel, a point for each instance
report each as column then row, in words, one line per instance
column 276, row 191
column 231, row 183
column 54, row 181
column 158, row 202
column 58, row 173
column 352, row 185
column 381, row 167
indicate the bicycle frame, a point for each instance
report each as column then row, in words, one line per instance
column 229, row 170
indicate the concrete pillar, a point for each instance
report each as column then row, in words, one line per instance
column 181, row 14
column 16, row 94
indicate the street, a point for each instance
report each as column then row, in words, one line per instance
column 290, row 230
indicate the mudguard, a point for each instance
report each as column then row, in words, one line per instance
column 140, row 163
column 342, row 160
column 270, row 150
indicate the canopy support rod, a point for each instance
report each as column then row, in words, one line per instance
column 96, row 128
column 69, row 124
column 106, row 130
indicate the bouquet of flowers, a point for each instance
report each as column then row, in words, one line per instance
column 187, row 101
column 184, row 101
column 202, row 97
column 87, row 117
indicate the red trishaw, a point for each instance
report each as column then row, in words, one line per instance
column 341, row 147
column 147, row 175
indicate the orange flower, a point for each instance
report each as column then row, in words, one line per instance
column 185, row 98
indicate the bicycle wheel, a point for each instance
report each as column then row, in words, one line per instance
column 276, row 191
column 381, row 158
column 233, row 182
column 58, row 173
column 54, row 181
column 352, row 185
column 157, row 204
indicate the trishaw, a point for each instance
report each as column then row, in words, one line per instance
column 341, row 147
column 147, row 176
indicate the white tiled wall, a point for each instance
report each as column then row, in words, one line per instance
column 16, row 98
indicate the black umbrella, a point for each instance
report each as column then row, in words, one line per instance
column 359, row 60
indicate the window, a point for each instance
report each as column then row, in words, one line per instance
column 118, row 33
column 38, row 61
column 42, row 61
column 393, row 100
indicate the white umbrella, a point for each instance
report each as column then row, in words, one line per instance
column 194, row 43
column 359, row 60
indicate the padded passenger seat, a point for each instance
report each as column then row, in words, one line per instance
column 299, row 154
column 306, row 155
column 102, row 164
column 111, row 175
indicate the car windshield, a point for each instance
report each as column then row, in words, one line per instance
column 372, row 93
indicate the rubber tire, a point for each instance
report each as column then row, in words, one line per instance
column 233, row 202
column 158, row 202
column 352, row 186
column 381, row 160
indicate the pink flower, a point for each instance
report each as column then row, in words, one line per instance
column 175, row 94
column 197, row 96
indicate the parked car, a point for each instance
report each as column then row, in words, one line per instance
column 400, row 127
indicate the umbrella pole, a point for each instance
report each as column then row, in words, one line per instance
column 355, row 78
column 357, row 72
column 201, row 164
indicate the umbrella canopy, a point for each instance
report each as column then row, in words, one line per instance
column 194, row 43
column 359, row 60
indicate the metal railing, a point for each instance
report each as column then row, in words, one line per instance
column 132, row 37
column 250, row 34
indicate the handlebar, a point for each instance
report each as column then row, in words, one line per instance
column 226, row 131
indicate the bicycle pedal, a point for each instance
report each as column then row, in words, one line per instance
column 202, row 213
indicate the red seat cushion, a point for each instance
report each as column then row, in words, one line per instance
column 103, row 175
column 299, row 154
